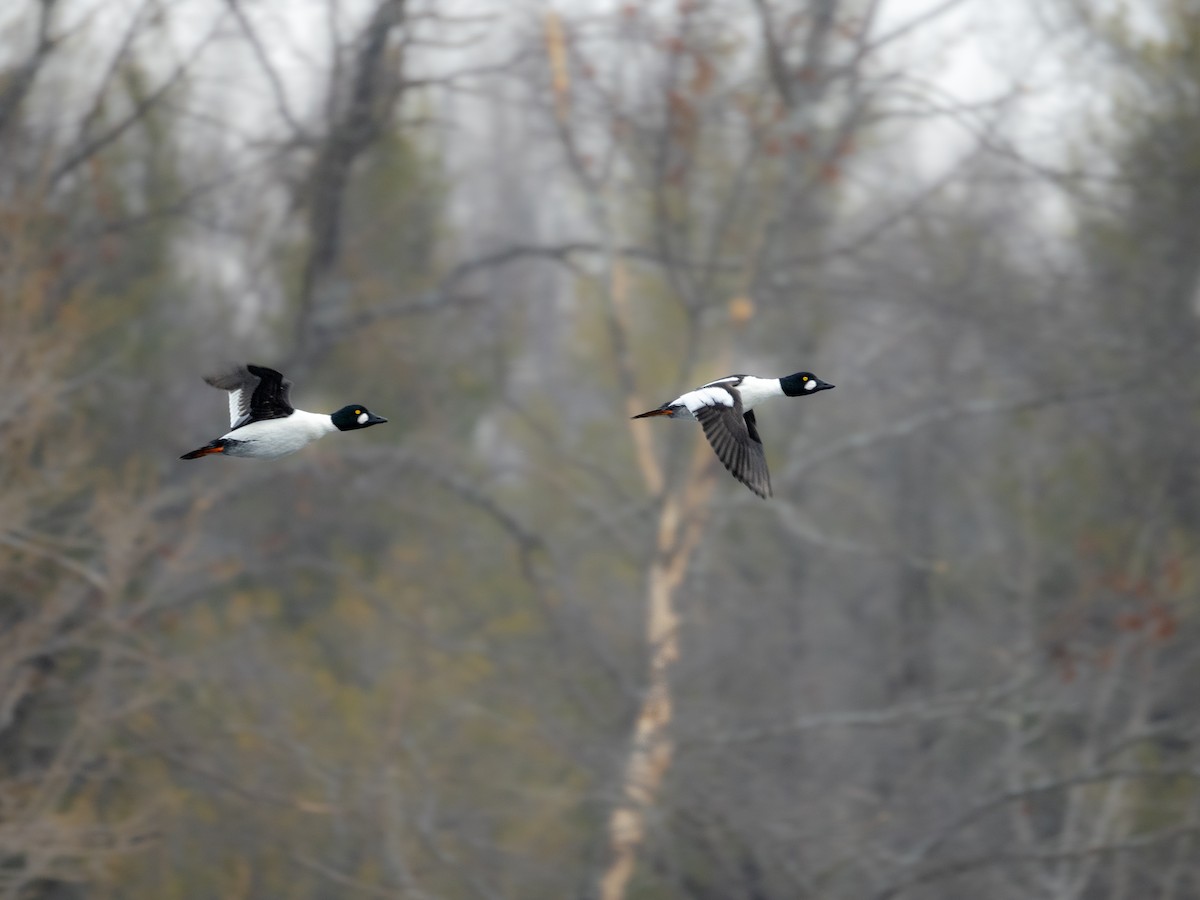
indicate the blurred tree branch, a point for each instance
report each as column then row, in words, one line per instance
column 16, row 83
column 355, row 125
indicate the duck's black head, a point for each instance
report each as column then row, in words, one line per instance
column 803, row 383
column 351, row 418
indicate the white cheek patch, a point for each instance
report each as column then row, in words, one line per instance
column 811, row 384
column 362, row 419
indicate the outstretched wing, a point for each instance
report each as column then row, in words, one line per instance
column 255, row 393
column 272, row 397
column 734, row 438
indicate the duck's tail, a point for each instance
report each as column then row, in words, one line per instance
column 661, row 411
column 217, row 446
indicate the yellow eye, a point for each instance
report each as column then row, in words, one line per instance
column 358, row 412
column 804, row 378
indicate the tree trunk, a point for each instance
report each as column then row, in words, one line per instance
column 681, row 524
column 682, row 520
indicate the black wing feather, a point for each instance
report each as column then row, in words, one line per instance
column 734, row 438
column 271, row 398
column 261, row 393
column 756, row 455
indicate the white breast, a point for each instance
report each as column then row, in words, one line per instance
column 755, row 390
column 273, row 438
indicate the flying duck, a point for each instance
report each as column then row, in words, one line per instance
column 725, row 409
column 263, row 424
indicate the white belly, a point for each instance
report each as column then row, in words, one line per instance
column 278, row 437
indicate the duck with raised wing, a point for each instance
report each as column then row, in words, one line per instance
column 263, row 424
column 725, row 410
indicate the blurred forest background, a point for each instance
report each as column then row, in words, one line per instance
column 511, row 645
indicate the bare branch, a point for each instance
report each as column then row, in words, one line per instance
column 89, row 146
column 19, row 81
column 268, row 69
column 1001, row 858
column 351, row 132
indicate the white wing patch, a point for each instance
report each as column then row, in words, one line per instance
column 235, row 407
column 705, row 396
